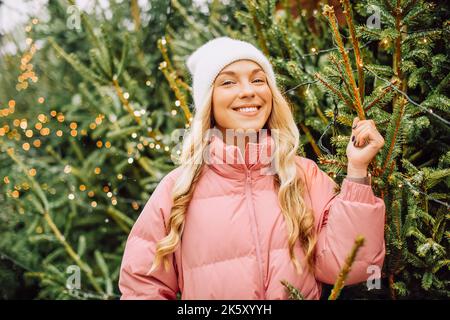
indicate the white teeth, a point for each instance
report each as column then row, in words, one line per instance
column 252, row 109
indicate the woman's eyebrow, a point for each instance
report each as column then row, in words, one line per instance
column 234, row 73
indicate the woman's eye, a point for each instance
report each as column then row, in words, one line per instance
column 259, row 80
column 226, row 83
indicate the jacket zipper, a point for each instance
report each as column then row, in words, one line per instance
column 248, row 190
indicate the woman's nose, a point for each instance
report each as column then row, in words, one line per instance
column 246, row 90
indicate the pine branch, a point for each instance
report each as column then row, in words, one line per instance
column 328, row 11
column 170, row 74
column 358, row 57
column 251, row 5
column 392, row 134
column 334, row 90
column 310, row 139
column 338, row 68
column 380, row 97
column 47, row 217
column 136, row 14
column 340, row 282
column 294, row 293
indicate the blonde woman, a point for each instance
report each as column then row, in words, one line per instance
column 239, row 215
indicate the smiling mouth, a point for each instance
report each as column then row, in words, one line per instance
column 247, row 109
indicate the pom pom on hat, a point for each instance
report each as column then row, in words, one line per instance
column 208, row 60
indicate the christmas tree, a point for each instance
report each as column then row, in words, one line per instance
column 377, row 60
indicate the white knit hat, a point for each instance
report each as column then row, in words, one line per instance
column 207, row 61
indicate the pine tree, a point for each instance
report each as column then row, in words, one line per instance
column 84, row 141
column 339, row 66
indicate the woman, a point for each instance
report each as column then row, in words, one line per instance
column 229, row 224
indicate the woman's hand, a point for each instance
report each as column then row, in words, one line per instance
column 364, row 144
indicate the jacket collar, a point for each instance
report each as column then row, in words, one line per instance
column 228, row 160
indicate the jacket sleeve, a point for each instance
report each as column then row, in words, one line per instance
column 134, row 281
column 340, row 218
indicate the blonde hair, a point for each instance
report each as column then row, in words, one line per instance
column 298, row 218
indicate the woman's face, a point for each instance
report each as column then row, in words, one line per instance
column 242, row 98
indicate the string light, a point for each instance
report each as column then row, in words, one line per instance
column 162, row 65
column 37, row 143
column 97, row 170
column 71, row 196
column 25, row 66
column 42, row 118
column 32, row 172
column 45, row 131
column 26, row 146
column 67, row 169
column 408, row 97
column 99, row 118
column 82, row 187
column 94, row 204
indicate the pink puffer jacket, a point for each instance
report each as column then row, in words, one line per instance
column 234, row 244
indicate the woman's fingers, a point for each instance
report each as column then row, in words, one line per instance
column 363, row 131
column 364, row 136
